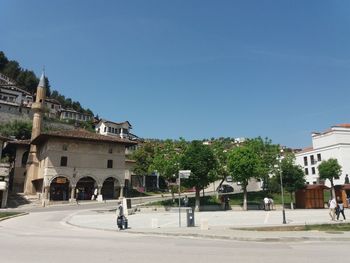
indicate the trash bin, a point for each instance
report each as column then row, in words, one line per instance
column 190, row 217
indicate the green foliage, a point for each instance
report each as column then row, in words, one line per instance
column 293, row 175
column 21, row 130
column 244, row 163
column 201, row 161
column 166, row 158
column 143, row 156
column 329, row 169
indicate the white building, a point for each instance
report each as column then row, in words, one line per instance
column 111, row 128
column 333, row 143
column 70, row 114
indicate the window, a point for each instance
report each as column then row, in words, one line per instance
column 64, row 161
column 312, row 159
column 110, row 164
column 306, row 171
column 25, row 158
column 314, row 182
column 313, row 170
column 109, row 129
column 319, row 159
column 305, row 161
column 64, row 147
column 110, row 150
column 105, row 129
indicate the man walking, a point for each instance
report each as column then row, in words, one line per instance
column 340, row 208
column 332, row 206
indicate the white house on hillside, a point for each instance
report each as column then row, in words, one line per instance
column 333, row 143
column 122, row 129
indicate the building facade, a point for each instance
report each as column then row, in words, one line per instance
column 72, row 164
column 333, row 143
column 70, row 114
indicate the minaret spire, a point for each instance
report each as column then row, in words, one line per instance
column 38, row 111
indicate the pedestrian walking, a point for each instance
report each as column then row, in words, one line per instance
column 340, row 208
column 332, row 207
column 271, row 203
column 185, row 201
column 267, row 203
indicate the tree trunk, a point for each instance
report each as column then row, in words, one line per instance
column 245, row 193
column 332, row 189
column 197, row 204
column 291, row 201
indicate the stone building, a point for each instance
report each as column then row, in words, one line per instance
column 70, row 165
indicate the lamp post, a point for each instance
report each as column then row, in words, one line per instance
column 182, row 174
column 281, row 181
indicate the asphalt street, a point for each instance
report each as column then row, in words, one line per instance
column 48, row 236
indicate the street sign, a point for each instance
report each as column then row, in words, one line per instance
column 184, row 174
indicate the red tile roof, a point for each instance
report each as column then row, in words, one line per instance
column 307, row 149
column 343, row 125
column 81, row 135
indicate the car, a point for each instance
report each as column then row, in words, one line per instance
column 225, row 188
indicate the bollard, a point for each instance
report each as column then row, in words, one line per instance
column 204, row 224
column 154, row 223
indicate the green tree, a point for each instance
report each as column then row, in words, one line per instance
column 21, row 130
column 166, row 161
column 201, row 161
column 330, row 169
column 245, row 163
column 12, row 69
column 292, row 175
column 3, row 61
column 268, row 153
column 220, row 149
column 28, row 81
column 143, row 157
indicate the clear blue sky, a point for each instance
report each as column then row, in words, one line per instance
column 195, row 69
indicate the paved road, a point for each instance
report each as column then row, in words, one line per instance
column 46, row 237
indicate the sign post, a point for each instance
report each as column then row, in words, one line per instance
column 182, row 174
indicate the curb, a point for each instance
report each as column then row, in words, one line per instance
column 219, row 237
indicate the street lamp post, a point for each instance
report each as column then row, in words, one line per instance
column 282, row 195
column 182, row 174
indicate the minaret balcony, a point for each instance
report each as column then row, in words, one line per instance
column 37, row 106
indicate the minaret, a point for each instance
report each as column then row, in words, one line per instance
column 33, row 162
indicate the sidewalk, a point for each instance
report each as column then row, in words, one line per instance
column 217, row 225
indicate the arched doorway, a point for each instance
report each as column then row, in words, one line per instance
column 86, row 186
column 110, row 188
column 59, row 189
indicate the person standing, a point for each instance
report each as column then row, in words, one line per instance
column 267, row 203
column 332, row 206
column 185, row 200
column 95, row 193
column 340, row 208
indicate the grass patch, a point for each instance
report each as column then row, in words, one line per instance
column 254, row 199
column 329, row 227
column 341, row 227
column 6, row 214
